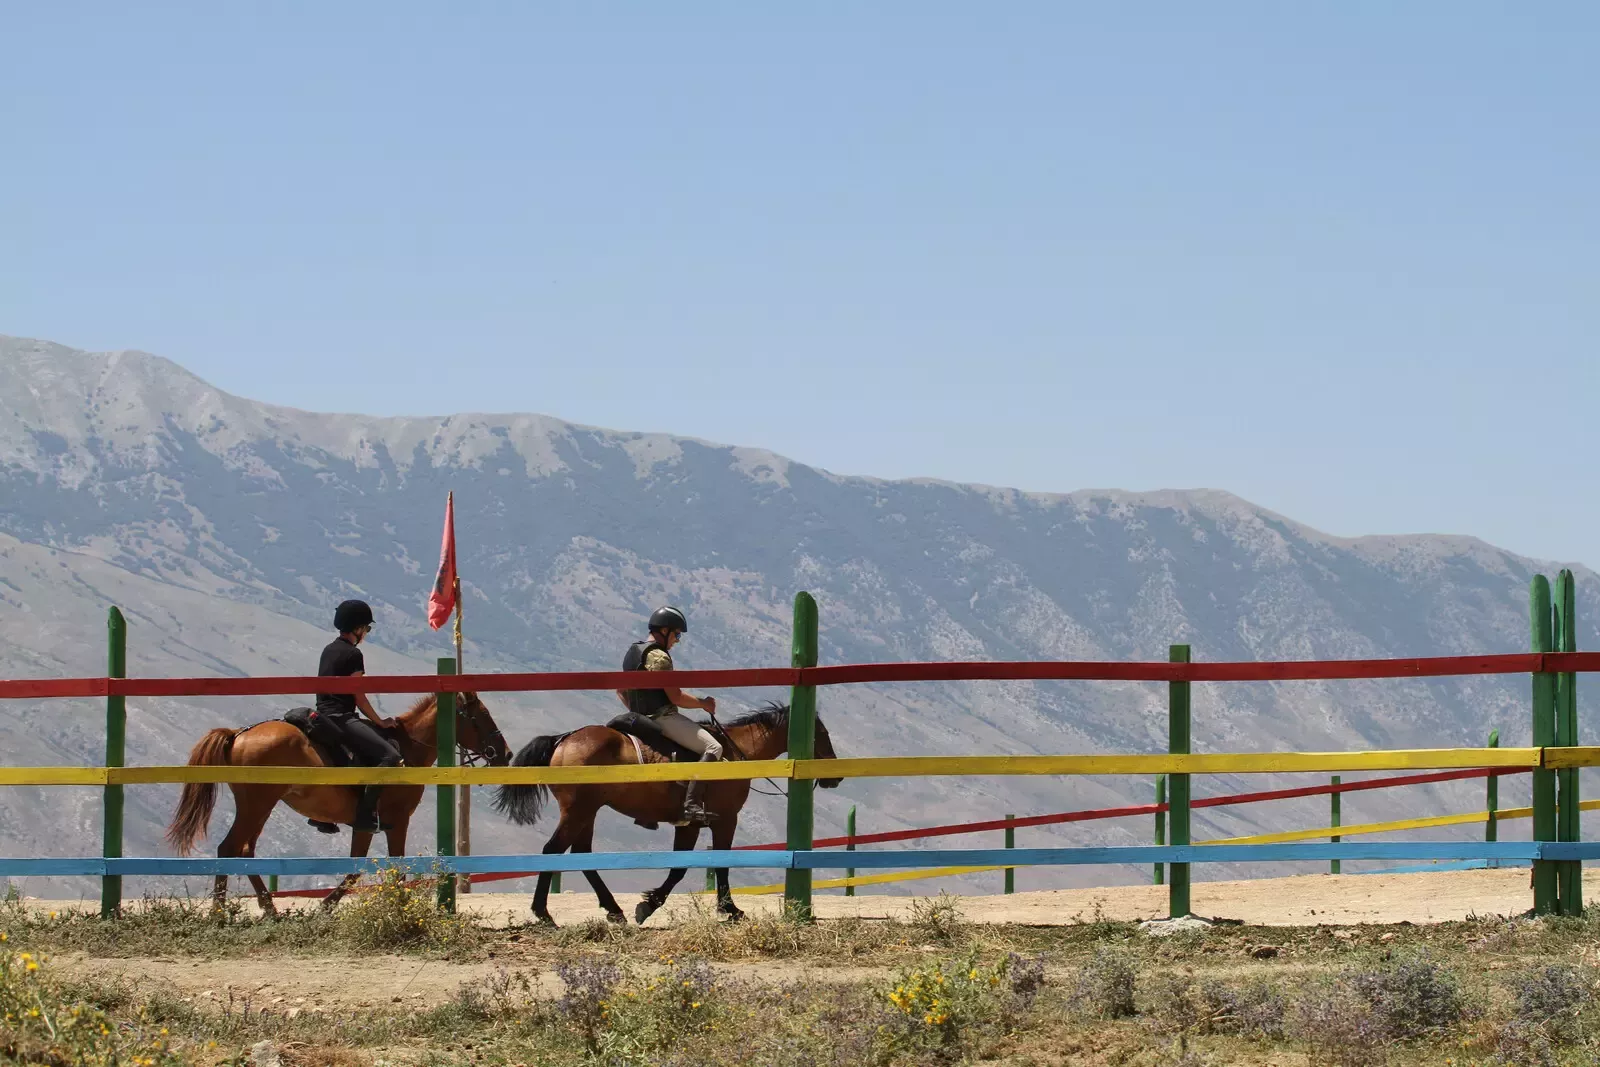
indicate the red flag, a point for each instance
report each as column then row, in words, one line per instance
column 442, row 601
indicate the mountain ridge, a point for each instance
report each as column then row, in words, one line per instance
column 234, row 526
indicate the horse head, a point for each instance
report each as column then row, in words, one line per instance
column 477, row 733
column 824, row 750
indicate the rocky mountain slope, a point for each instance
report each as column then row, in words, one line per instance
column 227, row 529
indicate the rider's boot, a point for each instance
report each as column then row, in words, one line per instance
column 694, row 802
column 366, row 820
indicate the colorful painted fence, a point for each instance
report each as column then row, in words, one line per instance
column 1552, row 665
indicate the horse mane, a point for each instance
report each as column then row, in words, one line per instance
column 421, row 702
column 772, row 716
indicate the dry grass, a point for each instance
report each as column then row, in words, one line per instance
column 932, row 989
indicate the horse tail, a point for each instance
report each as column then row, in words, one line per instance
column 193, row 816
column 522, row 803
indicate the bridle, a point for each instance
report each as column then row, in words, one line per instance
column 492, row 741
column 721, row 731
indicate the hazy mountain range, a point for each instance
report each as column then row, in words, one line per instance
column 227, row 529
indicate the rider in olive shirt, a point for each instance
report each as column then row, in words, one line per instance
column 667, row 627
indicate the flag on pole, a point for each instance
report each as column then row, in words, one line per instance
column 446, row 587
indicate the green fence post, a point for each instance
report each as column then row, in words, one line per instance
column 1011, row 842
column 802, row 745
column 116, row 752
column 1333, row 805
column 850, row 846
column 1178, row 724
column 1161, row 824
column 445, row 795
column 1491, row 796
column 1544, row 735
column 272, row 883
column 1569, row 873
column 555, row 882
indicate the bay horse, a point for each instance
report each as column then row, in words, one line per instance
column 276, row 743
column 758, row 735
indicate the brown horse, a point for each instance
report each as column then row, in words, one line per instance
column 280, row 744
column 759, row 735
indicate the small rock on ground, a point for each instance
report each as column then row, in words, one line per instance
column 1181, row 925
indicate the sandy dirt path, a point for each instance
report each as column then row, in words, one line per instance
column 1305, row 900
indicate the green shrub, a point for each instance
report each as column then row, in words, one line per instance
column 400, row 914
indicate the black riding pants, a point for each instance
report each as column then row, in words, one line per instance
column 368, row 744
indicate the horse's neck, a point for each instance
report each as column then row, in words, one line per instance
column 759, row 742
column 420, row 745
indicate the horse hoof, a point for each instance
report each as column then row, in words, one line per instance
column 616, row 918
column 732, row 914
column 641, row 912
column 544, row 921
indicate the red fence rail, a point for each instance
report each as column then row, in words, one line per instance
column 847, row 674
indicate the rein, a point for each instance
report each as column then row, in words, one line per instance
column 739, row 754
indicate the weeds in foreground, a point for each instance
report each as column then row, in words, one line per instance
column 1349, row 1018
column 1105, row 986
column 942, row 1008
column 399, row 914
column 1548, row 1016
column 938, row 920
column 45, row 1023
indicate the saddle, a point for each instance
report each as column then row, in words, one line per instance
column 328, row 742
column 649, row 733
column 323, row 737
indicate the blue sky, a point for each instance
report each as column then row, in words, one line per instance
column 1337, row 258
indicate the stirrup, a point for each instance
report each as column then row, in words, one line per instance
column 323, row 827
column 696, row 817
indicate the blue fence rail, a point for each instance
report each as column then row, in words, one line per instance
column 811, row 860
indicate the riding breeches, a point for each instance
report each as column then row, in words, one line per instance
column 688, row 733
column 367, row 742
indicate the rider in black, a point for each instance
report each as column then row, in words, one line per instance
column 342, row 659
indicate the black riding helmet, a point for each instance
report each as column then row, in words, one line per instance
column 669, row 618
column 351, row 616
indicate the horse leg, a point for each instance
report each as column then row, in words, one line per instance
column 269, row 907
column 360, row 844
column 683, row 840
column 395, row 836
column 541, row 894
column 583, row 841
column 252, row 807
column 722, row 839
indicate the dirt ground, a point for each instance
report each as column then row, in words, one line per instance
column 333, row 983
column 1306, row 900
